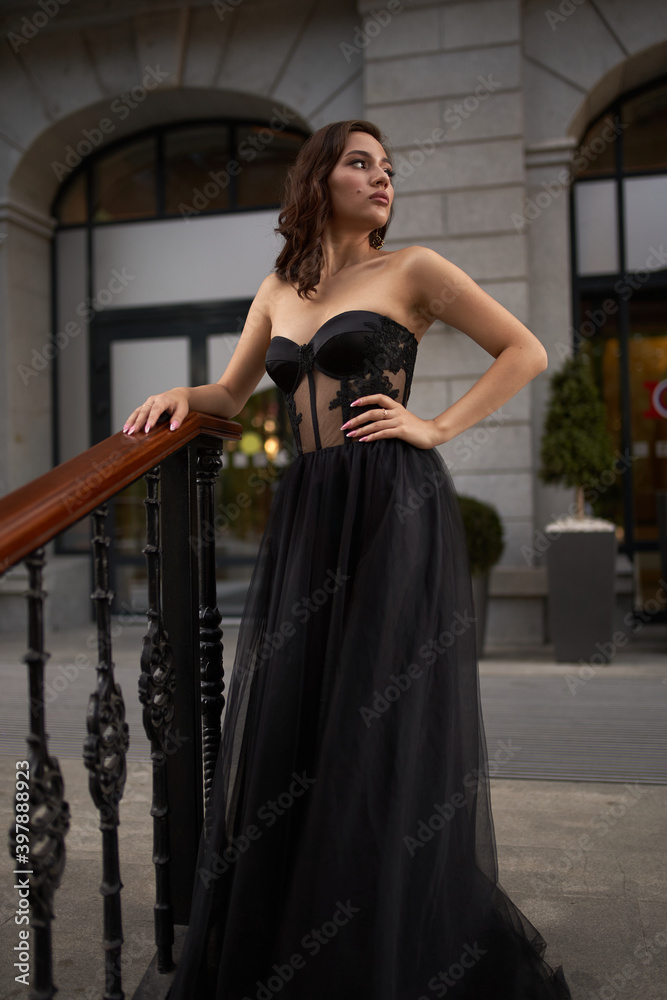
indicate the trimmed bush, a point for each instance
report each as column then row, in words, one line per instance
column 484, row 533
column 576, row 446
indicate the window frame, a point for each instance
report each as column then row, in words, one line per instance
column 606, row 285
column 159, row 132
column 88, row 226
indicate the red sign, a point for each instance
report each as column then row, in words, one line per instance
column 658, row 398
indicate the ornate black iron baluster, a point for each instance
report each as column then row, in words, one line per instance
column 104, row 754
column 156, row 692
column 210, row 633
column 49, row 816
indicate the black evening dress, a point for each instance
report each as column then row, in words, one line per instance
column 352, row 853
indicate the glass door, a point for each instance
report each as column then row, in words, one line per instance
column 631, row 375
column 647, row 364
column 139, row 352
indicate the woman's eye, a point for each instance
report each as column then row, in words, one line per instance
column 389, row 172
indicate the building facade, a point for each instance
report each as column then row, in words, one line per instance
column 141, row 150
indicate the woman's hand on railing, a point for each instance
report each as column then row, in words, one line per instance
column 176, row 402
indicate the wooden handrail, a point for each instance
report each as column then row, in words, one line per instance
column 35, row 513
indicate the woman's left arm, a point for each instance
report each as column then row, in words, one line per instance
column 438, row 289
column 441, row 290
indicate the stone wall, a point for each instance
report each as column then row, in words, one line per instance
column 482, row 101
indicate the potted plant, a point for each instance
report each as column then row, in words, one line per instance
column 485, row 541
column 576, row 450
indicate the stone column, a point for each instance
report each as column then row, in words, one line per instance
column 443, row 82
column 546, row 221
column 25, row 325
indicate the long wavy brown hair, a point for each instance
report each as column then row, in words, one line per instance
column 306, row 203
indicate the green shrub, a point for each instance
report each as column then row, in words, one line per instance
column 484, row 533
column 576, row 447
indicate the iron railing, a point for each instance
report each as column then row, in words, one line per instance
column 180, row 469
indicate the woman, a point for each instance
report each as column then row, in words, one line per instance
column 352, row 851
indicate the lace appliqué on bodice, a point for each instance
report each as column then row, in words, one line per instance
column 306, row 357
column 347, row 358
column 385, row 352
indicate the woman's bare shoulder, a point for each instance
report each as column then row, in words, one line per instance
column 269, row 294
column 410, row 263
column 416, row 253
column 273, row 286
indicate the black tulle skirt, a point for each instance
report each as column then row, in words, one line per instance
column 352, row 851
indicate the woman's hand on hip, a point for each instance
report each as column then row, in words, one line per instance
column 399, row 422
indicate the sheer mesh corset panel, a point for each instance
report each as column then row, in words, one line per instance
column 355, row 353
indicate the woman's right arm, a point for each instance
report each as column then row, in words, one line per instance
column 226, row 397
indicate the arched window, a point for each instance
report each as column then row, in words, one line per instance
column 619, row 257
column 154, row 273
column 176, row 170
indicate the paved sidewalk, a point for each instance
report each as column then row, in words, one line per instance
column 584, row 860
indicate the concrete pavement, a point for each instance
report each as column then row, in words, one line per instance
column 583, row 859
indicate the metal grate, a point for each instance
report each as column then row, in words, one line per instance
column 609, row 729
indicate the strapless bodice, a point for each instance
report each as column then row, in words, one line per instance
column 355, row 353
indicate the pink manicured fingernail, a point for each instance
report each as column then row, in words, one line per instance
column 173, row 425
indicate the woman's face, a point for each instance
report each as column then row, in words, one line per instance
column 360, row 184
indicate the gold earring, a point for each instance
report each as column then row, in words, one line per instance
column 375, row 240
